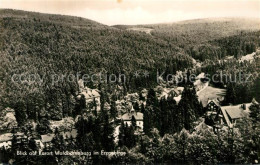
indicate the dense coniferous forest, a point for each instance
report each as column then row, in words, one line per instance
column 46, row 45
column 208, row 38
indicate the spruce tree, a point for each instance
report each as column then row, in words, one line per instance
column 121, row 136
column 230, row 97
column 133, row 122
column 113, row 110
column 151, row 98
column 148, row 123
column 136, row 107
column 254, row 112
column 142, row 108
column 107, row 134
column 96, row 133
column 57, row 140
column 188, row 109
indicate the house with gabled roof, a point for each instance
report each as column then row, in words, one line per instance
column 212, row 107
column 46, row 140
column 234, row 112
column 91, row 95
column 226, row 115
column 229, row 115
column 127, row 118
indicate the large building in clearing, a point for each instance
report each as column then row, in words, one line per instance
column 91, row 95
column 127, row 118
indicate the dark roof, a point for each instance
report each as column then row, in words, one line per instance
column 214, row 101
column 47, row 138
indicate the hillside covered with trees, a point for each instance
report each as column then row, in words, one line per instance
column 44, row 47
column 208, row 38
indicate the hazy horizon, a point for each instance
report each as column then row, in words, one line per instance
column 135, row 12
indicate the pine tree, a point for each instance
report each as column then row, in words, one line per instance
column 126, row 136
column 165, row 122
column 133, row 122
column 230, row 97
column 107, row 134
column 256, row 87
column 254, row 112
column 151, row 98
column 142, row 108
column 130, row 137
column 113, row 110
column 188, row 108
column 80, row 106
column 43, row 127
column 136, row 107
column 81, row 126
column 121, row 136
column 148, row 124
column 57, row 140
column 96, row 133
column 174, row 116
column 15, row 146
column 32, row 145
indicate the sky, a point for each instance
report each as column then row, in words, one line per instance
column 131, row 12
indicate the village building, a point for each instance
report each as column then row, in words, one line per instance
column 21, row 138
column 6, row 140
column 230, row 114
column 174, row 93
column 226, row 115
column 46, row 140
column 167, row 92
column 127, row 118
column 70, row 135
column 92, row 96
column 213, row 108
column 7, row 120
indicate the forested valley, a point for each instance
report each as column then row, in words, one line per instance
column 173, row 131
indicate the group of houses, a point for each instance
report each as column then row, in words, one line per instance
column 174, row 93
column 44, row 141
column 217, row 114
column 226, row 115
column 161, row 92
column 6, row 139
column 91, row 96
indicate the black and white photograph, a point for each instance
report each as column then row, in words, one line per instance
column 93, row 82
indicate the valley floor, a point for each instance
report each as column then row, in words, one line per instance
column 210, row 93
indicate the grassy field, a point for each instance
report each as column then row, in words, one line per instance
column 210, row 93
